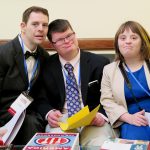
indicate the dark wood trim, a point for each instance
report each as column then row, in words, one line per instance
column 84, row 43
column 3, row 41
column 96, row 43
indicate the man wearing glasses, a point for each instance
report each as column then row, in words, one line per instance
column 70, row 81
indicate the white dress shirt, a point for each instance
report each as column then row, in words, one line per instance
column 75, row 62
column 29, row 61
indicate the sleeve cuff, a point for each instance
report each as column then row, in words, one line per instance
column 48, row 113
column 105, row 118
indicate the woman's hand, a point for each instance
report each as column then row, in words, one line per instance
column 137, row 119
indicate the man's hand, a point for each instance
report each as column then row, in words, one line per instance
column 98, row 120
column 53, row 118
column 2, row 133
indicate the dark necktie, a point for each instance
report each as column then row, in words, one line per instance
column 28, row 54
column 72, row 91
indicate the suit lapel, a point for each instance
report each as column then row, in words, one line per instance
column 118, row 84
column 84, row 74
column 58, row 75
column 38, row 67
column 19, row 58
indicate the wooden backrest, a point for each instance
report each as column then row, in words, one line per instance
column 102, row 46
column 84, row 43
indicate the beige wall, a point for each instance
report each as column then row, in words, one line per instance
column 89, row 18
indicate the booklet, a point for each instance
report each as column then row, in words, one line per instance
column 12, row 128
column 53, row 141
column 80, row 119
column 123, row 144
column 18, row 111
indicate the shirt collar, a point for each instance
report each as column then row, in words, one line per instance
column 73, row 62
column 25, row 48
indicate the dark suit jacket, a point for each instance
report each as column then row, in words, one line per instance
column 52, row 93
column 13, row 79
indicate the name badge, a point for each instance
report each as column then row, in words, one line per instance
column 20, row 104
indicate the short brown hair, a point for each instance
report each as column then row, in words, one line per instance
column 29, row 10
column 138, row 29
column 58, row 25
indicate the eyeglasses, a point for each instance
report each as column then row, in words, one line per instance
column 61, row 41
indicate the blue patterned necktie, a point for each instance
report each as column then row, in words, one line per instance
column 72, row 91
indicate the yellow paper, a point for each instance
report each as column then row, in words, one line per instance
column 82, row 118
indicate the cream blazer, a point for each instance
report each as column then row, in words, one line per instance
column 112, row 92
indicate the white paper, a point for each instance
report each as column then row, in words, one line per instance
column 116, row 146
column 12, row 127
column 15, row 129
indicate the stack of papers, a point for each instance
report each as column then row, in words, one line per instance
column 123, row 144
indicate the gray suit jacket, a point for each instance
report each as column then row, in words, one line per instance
column 13, row 79
column 112, row 92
